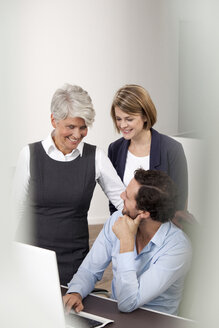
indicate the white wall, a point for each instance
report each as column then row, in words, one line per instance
column 101, row 45
column 98, row 44
column 199, row 79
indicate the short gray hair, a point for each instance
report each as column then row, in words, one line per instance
column 72, row 101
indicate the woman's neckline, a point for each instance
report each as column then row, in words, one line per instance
column 141, row 148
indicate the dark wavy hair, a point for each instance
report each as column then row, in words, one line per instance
column 157, row 194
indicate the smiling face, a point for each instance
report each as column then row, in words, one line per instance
column 128, row 197
column 131, row 126
column 68, row 133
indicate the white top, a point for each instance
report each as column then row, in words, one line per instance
column 106, row 175
column 133, row 163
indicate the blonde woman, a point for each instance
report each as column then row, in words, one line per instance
column 134, row 115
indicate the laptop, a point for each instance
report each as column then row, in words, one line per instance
column 37, row 275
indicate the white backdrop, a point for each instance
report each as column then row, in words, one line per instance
column 101, row 45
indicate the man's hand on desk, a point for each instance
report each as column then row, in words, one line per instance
column 73, row 300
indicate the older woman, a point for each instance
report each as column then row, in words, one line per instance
column 134, row 115
column 57, row 177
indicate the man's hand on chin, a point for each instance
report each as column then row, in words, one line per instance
column 125, row 229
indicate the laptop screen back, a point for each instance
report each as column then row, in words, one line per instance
column 37, row 274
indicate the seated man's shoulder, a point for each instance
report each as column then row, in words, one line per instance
column 175, row 248
column 177, row 237
column 113, row 218
column 110, row 222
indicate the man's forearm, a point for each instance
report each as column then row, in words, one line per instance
column 83, row 282
column 126, row 282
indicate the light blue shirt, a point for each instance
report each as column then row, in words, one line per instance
column 152, row 279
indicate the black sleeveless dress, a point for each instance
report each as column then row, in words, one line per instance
column 59, row 199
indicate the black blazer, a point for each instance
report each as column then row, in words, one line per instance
column 166, row 155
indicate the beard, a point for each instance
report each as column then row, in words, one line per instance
column 129, row 214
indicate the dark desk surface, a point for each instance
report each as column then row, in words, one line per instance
column 139, row 318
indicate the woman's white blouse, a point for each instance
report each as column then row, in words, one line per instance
column 106, row 175
column 133, row 163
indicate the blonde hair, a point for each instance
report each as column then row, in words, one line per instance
column 135, row 100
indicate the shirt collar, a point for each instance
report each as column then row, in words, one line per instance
column 49, row 145
column 161, row 233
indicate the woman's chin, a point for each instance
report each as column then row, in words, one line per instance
column 126, row 136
